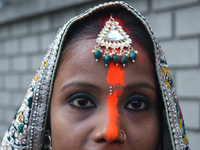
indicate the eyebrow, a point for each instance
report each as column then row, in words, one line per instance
column 138, row 85
column 80, row 84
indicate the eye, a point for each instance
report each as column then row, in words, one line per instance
column 82, row 101
column 137, row 103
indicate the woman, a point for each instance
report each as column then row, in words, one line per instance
column 125, row 100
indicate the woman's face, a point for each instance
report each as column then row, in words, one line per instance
column 85, row 114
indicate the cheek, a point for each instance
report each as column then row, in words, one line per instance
column 58, row 127
column 145, row 130
column 66, row 129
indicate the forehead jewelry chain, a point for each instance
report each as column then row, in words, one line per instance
column 111, row 90
column 113, row 43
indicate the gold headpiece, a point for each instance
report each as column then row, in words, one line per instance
column 116, row 44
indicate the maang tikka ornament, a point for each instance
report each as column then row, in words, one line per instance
column 113, row 43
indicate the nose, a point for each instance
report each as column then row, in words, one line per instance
column 104, row 133
column 102, row 136
column 108, row 128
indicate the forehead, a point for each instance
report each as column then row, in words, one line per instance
column 80, row 65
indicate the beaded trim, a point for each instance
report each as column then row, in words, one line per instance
column 27, row 128
column 41, row 98
column 173, row 112
column 111, row 90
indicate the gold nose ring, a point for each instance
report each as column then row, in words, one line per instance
column 124, row 135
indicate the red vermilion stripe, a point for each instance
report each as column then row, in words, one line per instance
column 115, row 77
column 112, row 129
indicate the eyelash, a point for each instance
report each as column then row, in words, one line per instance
column 142, row 101
column 73, row 101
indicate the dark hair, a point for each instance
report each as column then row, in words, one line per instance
column 94, row 23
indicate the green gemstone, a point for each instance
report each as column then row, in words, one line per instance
column 124, row 59
column 97, row 54
column 171, row 81
column 107, row 59
column 115, row 59
column 133, row 56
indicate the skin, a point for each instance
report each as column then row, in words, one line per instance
column 80, row 129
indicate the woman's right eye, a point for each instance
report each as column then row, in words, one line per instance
column 82, row 101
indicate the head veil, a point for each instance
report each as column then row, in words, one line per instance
column 28, row 127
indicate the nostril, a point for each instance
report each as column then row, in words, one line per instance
column 101, row 140
column 117, row 141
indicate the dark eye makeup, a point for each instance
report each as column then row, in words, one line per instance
column 82, row 101
column 137, row 103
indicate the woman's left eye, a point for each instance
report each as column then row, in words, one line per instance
column 137, row 103
column 82, row 101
